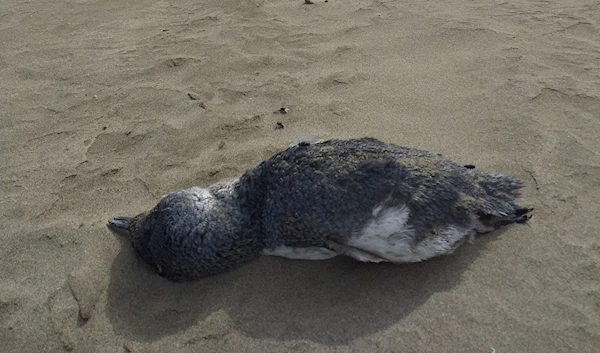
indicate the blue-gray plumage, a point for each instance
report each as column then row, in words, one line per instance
column 361, row 198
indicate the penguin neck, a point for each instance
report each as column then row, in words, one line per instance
column 240, row 207
column 244, row 194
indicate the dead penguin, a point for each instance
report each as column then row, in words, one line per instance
column 362, row 198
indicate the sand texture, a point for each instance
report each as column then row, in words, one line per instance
column 105, row 105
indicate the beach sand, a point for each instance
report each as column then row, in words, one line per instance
column 105, row 105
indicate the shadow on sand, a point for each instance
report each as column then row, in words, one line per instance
column 329, row 302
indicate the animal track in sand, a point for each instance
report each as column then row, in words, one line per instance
column 181, row 61
column 582, row 31
column 242, row 125
column 72, row 203
column 228, row 95
column 113, row 143
column 556, row 97
column 340, row 78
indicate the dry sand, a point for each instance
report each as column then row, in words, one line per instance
column 107, row 104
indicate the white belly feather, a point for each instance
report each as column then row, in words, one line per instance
column 387, row 237
column 390, row 237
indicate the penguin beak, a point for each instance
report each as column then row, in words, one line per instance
column 120, row 225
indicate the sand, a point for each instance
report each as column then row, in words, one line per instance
column 105, row 105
